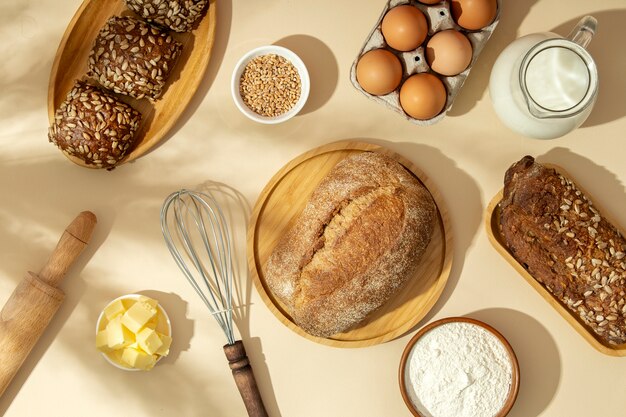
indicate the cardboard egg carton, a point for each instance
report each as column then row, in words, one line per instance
column 439, row 17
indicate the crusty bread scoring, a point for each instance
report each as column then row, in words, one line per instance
column 359, row 238
column 557, row 234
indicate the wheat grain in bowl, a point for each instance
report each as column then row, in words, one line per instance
column 270, row 84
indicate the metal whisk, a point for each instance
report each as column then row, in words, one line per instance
column 198, row 237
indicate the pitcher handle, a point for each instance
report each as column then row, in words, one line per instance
column 584, row 31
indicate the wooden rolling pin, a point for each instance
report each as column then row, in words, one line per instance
column 36, row 299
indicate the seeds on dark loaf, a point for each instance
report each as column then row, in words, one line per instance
column 557, row 234
column 133, row 57
column 357, row 241
column 94, row 126
column 178, row 15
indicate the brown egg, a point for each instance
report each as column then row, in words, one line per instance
column 423, row 96
column 379, row 72
column 404, row 28
column 449, row 52
column 474, row 14
column 429, row 1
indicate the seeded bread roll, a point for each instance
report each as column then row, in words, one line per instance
column 357, row 241
column 94, row 126
column 132, row 57
column 557, row 234
column 178, row 15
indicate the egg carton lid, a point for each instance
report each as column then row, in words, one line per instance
column 439, row 18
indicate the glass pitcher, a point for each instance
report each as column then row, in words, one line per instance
column 544, row 86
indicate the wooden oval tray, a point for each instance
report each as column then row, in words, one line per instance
column 70, row 64
column 492, row 222
column 284, row 198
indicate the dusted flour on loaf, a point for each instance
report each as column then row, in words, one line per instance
column 558, row 235
column 359, row 238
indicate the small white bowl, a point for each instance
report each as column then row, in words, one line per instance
column 102, row 317
column 305, row 83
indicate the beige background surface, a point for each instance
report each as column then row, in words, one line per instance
column 466, row 155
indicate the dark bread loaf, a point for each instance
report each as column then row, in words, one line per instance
column 132, row 57
column 178, row 15
column 359, row 238
column 557, row 234
column 93, row 125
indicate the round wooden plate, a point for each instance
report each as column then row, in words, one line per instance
column 281, row 202
column 70, row 64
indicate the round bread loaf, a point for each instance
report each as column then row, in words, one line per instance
column 178, row 15
column 359, row 238
column 132, row 57
column 93, row 125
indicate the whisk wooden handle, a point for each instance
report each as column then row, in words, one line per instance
column 244, row 378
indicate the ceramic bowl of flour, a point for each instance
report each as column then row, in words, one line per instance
column 459, row 367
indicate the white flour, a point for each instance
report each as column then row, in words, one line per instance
column 458, row 370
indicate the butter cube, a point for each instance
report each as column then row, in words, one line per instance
column 166, row 341
column 116, row 356
column 149, row 300
column 118, row 336
column 138, row 315
column 102, row 341
column 153, row 322
column 138, row 359
column 149, row 341
column 114, row 309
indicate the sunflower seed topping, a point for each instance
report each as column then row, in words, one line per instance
column 130, row 57
column 83, row 132
column 588, row 273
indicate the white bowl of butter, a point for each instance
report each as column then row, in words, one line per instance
column 133, row 332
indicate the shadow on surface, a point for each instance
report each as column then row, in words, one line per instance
column 224, row 16
column 607, row 50
column 605, row 189
column 182, row 327
column 237, row 211
column 74, row 287
column 321, row 65
column 254, row 349
column 462, row 200
column 511, row 17
column 537, row 354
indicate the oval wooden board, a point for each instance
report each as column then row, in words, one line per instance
column 492, row 222
column 284, row 198
column 70, row 64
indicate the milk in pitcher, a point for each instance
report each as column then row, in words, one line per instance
column 544, row 86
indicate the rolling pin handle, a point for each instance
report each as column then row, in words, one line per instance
column 74, row 239
column 36, row 299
